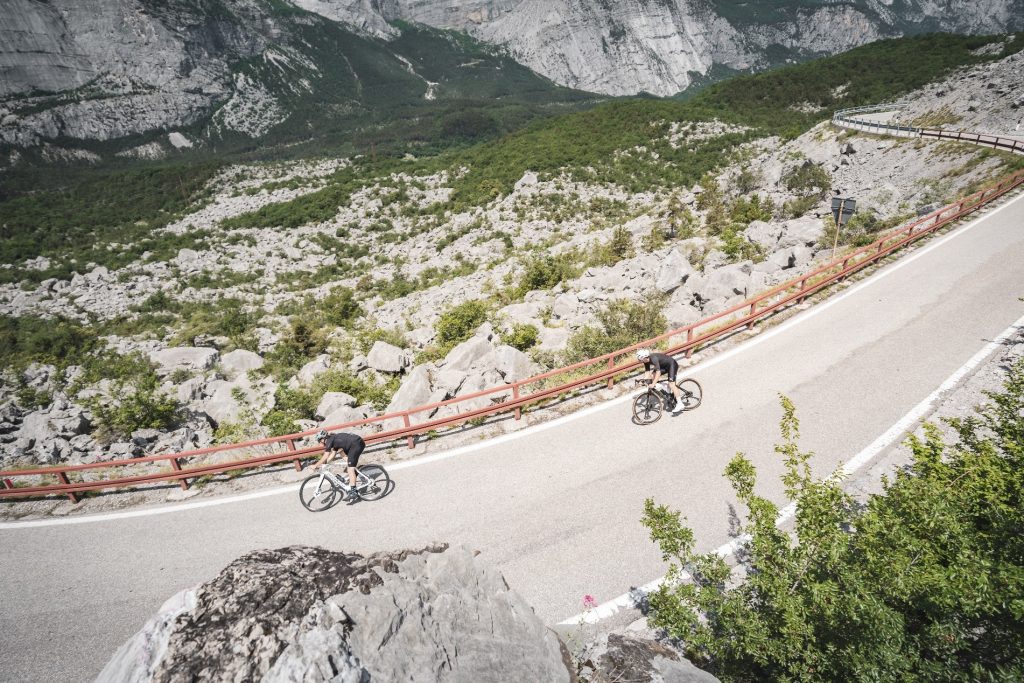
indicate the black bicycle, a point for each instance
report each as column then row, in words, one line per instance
column 655, row 400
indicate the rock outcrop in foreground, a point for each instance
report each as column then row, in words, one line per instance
column 308, row 614
column 435, row 614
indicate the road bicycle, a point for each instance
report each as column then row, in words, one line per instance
column 322, row 490
column 655, row 400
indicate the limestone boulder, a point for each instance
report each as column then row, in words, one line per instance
column 239, row 400
column 512, row 364
column 467, row 354
column 673, row 272
column 412, row 615
column 384, row 357
column 239, row 362
column 308, row 372
column 415, row 391
column 801, row 232
column 184, row 358
column 763, row 234
column 346, row 414
column 333, row 401
column 726, row 282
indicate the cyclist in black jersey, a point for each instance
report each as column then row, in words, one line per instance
column 658, row 364
column 351, row 445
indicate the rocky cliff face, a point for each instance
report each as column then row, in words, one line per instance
column 108, row 69
column 656, row 46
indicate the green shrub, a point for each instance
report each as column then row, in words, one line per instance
column 618, row 247
column 139, row 404
column 808, row 179
column 340, row 307
column 458, row 323
column 736, row 246
column 795, row 208
column 923, row 582
column 303, row 342
column 55, row 341
column 622, row 323
column 544, row 272
column 522, row 336
column 746, row 211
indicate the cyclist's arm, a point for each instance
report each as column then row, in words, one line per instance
column 326, row 458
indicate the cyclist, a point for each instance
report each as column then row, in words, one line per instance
column 351, row 445
column 656, row 364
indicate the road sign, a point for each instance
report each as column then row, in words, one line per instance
column 842, row 209
column 845, row 206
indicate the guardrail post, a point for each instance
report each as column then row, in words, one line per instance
column 753, row 309
column 297, row 461
column 515, row 397
column 176, row 466
column 689, row 338
column 409, row 440
column 72, row 496
column 803, row 286
column 611, row 380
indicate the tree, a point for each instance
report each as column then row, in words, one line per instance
column 924, row 582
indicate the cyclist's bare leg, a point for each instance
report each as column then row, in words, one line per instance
column 352, row 477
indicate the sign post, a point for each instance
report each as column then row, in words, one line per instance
column 842, row 209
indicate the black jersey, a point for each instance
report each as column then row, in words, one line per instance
column 665, row 364
column 342, row 441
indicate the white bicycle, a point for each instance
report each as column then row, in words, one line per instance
column 321, row 491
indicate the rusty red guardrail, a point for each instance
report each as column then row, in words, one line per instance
column 504, row 398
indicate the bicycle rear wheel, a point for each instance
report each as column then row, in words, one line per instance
column 647, row 408
column 690, row 393
column 317, row 501
column 378, row 485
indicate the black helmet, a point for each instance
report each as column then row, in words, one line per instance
column 321, row 435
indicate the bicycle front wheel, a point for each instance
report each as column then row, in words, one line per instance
column 314, row 499
column 374, row 482
column 647, row 408
column 690, row 393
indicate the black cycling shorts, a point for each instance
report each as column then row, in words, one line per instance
column 673, row 368
column 354, row 451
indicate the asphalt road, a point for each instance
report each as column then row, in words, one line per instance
column 557, row 510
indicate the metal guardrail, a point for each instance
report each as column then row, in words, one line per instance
column 846, row 118
column 73, row 480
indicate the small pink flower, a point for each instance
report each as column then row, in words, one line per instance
column 589, row 602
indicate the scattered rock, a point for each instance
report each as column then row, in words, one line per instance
column 332, row 401
column 240, row 361
column 184, row 358
column 384, row 357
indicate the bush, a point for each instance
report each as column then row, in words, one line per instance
column 303, row 342
column 139, row 405
column 522, row 336
column 547, row 271
column 340, row 307
column 808, row 179
column 623, row 323
column 618, row 247
column 746, row 211
column 458, row 323
column 921, row 583
column 56, row 341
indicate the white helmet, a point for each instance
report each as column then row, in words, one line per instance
column 321, row 435
column 643, row 354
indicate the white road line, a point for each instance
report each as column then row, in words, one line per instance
column 905, row 423
column 551, row 424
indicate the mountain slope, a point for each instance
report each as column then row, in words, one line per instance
column 228, row 72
